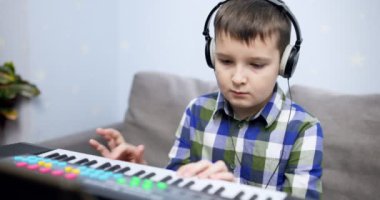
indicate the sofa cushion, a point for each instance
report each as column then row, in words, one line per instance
column 351, row 125
column 156, row 104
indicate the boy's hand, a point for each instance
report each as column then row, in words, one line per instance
column 206, row 169
column 117, row 147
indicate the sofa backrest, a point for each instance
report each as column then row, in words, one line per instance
column 351, row 125
column 156, row 104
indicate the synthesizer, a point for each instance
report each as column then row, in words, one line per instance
column 103, row 178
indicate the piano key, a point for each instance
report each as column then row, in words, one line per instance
column 161, row 174
column 92, row 162
column 104, row 165
column 123, row 170
column 200, row 184
column 207, row 188
column 139, row 173
column 188, row 184
column 239, row 196
column 61, row 157
column 69, row 158
column 166, row 179
column 254, row 197
column 52, row 155
column 219, row 191
column 82, row 161
column 216, row 186
column 113, row 168
column 150, row 175
column 176, row 182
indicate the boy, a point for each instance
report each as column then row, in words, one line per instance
column 249, row 131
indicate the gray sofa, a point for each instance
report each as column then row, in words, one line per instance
column 350, row 122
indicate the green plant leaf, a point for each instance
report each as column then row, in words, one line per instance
column 6, row 78
column 27, row 90
column 8, row 92
column 10, row 68
column 24, row 89
column 7, row 73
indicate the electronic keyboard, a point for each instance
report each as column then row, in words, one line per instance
column 113, row 179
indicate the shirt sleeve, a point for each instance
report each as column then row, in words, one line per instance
column 180, row 152
column 304, row 170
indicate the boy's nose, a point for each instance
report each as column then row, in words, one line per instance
column 239, row 77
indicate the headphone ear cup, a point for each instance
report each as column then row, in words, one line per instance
column 289, row 61
column 212, row 52
column 209, row 53
column 284, row 60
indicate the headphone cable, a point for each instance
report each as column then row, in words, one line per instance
column 282, row 151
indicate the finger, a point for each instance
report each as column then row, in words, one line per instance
column 139, row 154
column 115, row 135
column 197, row 168
column 185, row 168
column 125, row 152
column 100, row 148
column 217, row 167
column 112, row 136
column 226, row 176
column 181, row 170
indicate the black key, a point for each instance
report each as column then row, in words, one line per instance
column 125, row 169
column 139, row 173
column 105, row 165
column 83, row 161
column 238, row 196
column 113, row 168
column 150, row 175
column 269, row 198
column 209, row 186
column 254, row 197
column 61, row 157
column 52, row 155
column 219, row 191
column 176, row 182
column 69, row 158
column 166, row 179
column 187, row 185
column 90, row 163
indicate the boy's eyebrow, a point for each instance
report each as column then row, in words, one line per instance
column 260, row 59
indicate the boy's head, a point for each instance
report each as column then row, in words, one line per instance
column 250, row 38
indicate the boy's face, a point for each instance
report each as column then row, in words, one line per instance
column 246, row 74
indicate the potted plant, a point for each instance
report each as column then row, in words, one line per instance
column 12, row 89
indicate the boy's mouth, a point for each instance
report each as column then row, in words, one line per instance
column 238, row 93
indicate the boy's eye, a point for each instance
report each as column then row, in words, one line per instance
column 257, row 66
column 225, row 61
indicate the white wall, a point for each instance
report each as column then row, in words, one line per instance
column 69, row 49
column 83, row 53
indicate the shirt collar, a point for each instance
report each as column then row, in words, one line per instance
column 269, row 112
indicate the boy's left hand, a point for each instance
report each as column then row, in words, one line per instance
column 206, row 169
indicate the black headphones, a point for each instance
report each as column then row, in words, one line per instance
column 290, row 55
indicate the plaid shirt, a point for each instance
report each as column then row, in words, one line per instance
column 253, row 148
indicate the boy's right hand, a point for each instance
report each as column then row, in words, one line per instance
column 117, row 147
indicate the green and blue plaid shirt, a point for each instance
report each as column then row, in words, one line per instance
column 253, row 148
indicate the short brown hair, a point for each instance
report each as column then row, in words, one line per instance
column 246, row 19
